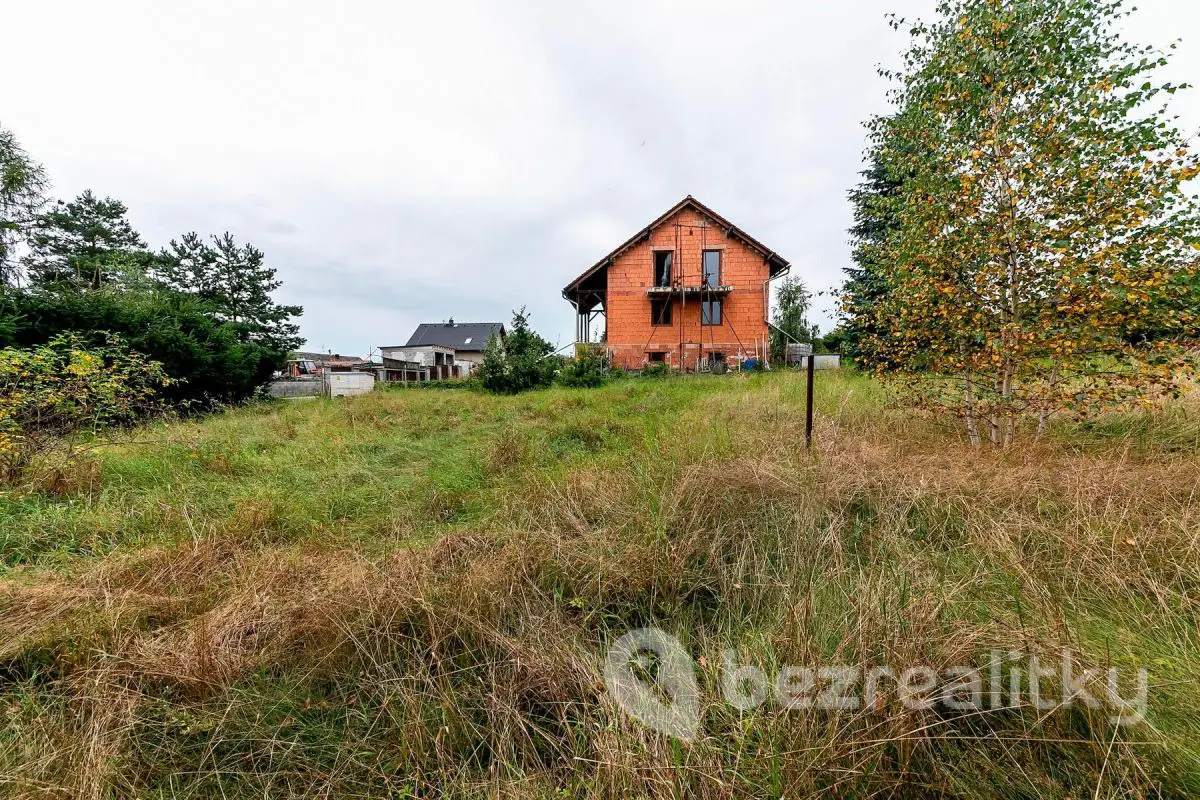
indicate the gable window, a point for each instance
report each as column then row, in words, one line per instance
column 712, row 268
column 662, row 267
column 660, row 311
column 710, row 312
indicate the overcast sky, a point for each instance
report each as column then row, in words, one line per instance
column 406, row 162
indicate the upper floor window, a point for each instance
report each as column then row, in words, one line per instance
column 663, row 260
column 712, row 268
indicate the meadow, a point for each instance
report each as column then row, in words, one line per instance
column 410, row 594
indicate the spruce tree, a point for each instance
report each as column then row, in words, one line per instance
column 874, row 220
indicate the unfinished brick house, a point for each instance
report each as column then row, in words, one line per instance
column 690, row 290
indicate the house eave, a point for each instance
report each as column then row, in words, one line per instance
column 777, row 265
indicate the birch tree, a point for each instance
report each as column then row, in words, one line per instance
column 1043, row 220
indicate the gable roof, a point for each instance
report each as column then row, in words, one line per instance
column 459, row 335
column 778, row 264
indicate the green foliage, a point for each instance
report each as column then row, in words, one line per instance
column 217, row 628
column 454, row 384
column 792, row 304
column 212, row 362
column 67, row 385
column 588, row 369
column 875, row 219
column 518, row 362
column 22, row 189
column 1033, row 217
column 202, row 310
column 658, row 370
column 86, row 243
column 235, row 283
column 834, row 341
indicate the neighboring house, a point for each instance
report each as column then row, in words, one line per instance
column 690, row 289
column 467, row 339
column 309, row 363
column 434, row 360
column 402, row 371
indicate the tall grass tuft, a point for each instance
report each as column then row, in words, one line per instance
column 410, row 594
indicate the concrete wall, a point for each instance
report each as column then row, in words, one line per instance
column 424, row 355
column 743, row 321
column 474, row 356
column 304, row 387
column 827, row 361
column 348, row 384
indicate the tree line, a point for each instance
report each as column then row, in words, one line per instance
column 200, row 307
column 1025, row 244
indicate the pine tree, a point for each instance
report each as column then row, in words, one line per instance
column 1042, row 220
column 86, row 243
column 188, row 265
column 236, row 284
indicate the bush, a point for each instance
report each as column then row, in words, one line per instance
column 211, row 362
column 659, row 370
column 50, row 392
column 518, row 363
column 588, row 369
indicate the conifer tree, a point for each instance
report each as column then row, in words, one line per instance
column 874, row 221
column 22, row 188
column 235, row 283
column 86, row 243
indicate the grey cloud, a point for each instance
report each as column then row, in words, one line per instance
column 402, row 163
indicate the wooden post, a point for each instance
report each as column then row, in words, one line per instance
column 808, row 408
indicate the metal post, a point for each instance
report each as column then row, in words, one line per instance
column 808, row 410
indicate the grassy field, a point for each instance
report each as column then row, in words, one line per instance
column 410, row 594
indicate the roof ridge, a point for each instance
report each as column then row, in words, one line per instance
column 780, row 264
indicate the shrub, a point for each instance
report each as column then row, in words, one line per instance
column 212, row 362
column 659, row 370
column 588, row 369
column 50, row 392
column 519, row 362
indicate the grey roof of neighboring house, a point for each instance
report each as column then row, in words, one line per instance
column 459, row 335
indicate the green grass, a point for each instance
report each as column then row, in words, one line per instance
column 410, row 593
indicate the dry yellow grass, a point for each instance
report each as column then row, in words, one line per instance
column 449, row 641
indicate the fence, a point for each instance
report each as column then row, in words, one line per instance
column 297, row 387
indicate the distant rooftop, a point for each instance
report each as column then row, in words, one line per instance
column 459, row 335
column 327, row 357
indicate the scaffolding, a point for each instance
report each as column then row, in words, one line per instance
column 693, row 340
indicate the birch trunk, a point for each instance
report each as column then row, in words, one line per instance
column 969, row 402
column 1045, row 410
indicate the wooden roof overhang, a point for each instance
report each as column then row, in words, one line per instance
column 588, row 290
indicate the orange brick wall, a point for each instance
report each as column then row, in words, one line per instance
column 630, row 333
